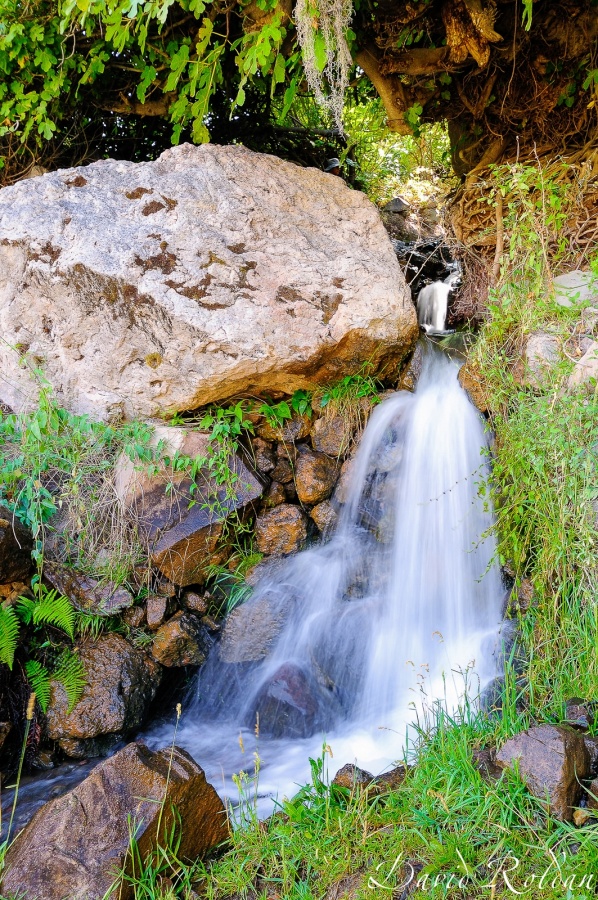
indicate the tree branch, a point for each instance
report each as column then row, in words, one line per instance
column 129, row 107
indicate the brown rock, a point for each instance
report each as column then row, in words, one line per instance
column 281, row 531
column 274, row 496
column 331, row 434
column 181, row 642
column 195, row 603
column 315, row 477
column 352, row 777
column 580, row 713
column 591, row 744
column 121, row 683
column 324, row 515
column 16, row 544
column 166, row 588
column 295, row 429
column 157, row 610
column 581, row 817
column 76, row 844
column 593, row 794
column 263, row 455
column 283, row 471
column 485, row 762
column 471, row 381
column 183, row 538
column 410, row 376
column 134, row 617
column 343, row 485
column 552, row 760
column 287, row 704
column 101, row 598
column 389, row 781
column 249, row 631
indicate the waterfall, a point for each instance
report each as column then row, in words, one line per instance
column 432, row 304
column 401, row 606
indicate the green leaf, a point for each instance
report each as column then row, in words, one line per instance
column 39, row 679
column 9, row 634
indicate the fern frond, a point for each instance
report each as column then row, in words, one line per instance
column 9, row 634
column 70, row 672
column 39, row 679
column 52, row 608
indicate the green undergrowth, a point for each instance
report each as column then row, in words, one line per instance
column 545, row 450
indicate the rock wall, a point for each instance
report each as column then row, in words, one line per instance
column 139, row 288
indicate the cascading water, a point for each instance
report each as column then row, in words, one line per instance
column 347, row 640
column 432, row 304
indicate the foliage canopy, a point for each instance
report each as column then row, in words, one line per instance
column 85, row 77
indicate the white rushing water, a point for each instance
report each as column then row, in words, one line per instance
column 399, row 607
column 432, row 304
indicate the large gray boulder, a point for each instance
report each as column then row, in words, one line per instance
column 139, row 288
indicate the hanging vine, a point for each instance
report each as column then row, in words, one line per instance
column 322, row 27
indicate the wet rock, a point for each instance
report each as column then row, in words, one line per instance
column 183, row 539
column 581, row 817
column 472, row 382
column 287, row 705
column 274, row 495
column 593, row 794
column 157, row 609
column 76, row 844
column 295, row 429
column 325, row 516
column 16, row 545
column 575, row 288
column 331, row 434
column 542, row 352
column 101, row 598
column 523, row 596
column 342, row 490
column 182, row 641
column 195, row 603
column 134, row 617
column 166, row 588
column 179, row 272
column 580, row 713
column 281, row 530
column 121, row 683
column 91, row 748
column 585, row 370
column 265, row 568
column 552, row 760
column 484, row 761
column 315, row 476
column 352, row 777
column 591, row 744
column 250, row 631
column 410, row 376
column 263, row 455
column 388, row 781
column 283, row 471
